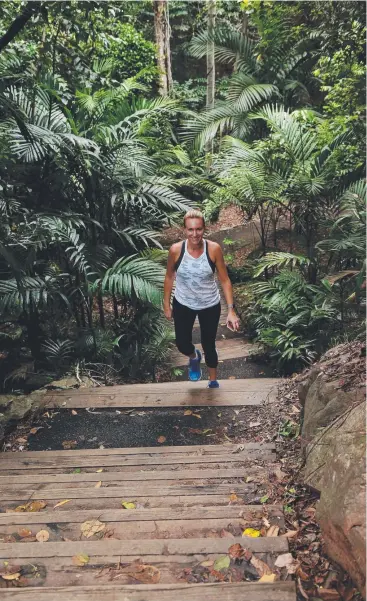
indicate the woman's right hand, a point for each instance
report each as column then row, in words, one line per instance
column 168, row 312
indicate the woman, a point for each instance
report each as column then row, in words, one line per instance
column 193, row 263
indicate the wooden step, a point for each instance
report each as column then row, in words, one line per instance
column 231, row 348
column 252, row 391
column 277, row 591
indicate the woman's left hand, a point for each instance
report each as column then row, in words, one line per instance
column 232, row 322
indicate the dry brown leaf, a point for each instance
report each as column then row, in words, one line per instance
column 24, row 532
column 146, row 574
column 99, row 484
column 80, row 560
column 233, row 497
column 188, row 412
column 290, row 534
column 61, row 503
column 32, row 506
column 268, row 578
column 262, row 567
column 73, row 412
column 161, row 439
column 273, row 531
column 22, row 440
column 92, row 527
column 207, row 564
column 196, row 415
column 42, row 536
column 34, row 430
column 236, row 551
column 13, row 576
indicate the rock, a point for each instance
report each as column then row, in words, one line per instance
column 2, row 435
column 336, row 466
column 70, row 382
column 19, row 408
column 323, row 402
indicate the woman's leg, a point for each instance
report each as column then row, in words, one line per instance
column 184, row 318
column 209, row 320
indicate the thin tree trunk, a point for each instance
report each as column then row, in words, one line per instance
column 168, row 49
column 19, row 23
column 159, row 27
column 210, row 63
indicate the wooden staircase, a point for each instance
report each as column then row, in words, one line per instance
column 143, row 524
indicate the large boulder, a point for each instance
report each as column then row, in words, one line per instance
column 333, row 395
column 336, row 466
column 15, row 407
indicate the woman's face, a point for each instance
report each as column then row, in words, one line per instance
column 194, row 230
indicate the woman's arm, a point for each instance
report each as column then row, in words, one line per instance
column 233, row 321
column 168, row 281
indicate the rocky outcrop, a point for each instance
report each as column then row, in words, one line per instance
column 15, row 407
column 334, row 433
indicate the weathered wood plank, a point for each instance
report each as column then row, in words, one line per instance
column 145, row 529
column 136, row 547
column 153, row 489
column 144, row 502
column 63, row 514
column 162, row 450
column 230, row 348
column 83, row 478
column 278, row 591
column 85, row 461
column 240, row 385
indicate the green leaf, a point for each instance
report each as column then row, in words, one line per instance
column 222, row 563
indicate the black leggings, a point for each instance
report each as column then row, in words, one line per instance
column 184, row 318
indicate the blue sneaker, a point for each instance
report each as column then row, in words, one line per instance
column 194, row 367
column 213, row 384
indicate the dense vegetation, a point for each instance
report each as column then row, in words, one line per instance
column 99, row 154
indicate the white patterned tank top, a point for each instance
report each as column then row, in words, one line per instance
column 196, row 287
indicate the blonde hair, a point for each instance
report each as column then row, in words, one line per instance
column 194, row 214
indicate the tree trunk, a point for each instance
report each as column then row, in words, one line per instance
column 210, row 63
column 19, row 23
column 168, row 50
column 159, row 28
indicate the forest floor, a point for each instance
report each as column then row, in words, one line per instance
column 318, row 579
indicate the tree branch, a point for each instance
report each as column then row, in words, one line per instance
column 19, row 23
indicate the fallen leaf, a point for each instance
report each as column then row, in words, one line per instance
column 128, row 505
column 80, row 560
column 32, row 506
column 207, row 430
column 268, row 578
column 233, row 497
column 222, row 563
column 69, row 444
column 73, row 412
column 290, row 534
column 13, row 576
column 42, row 536
column 146, row 574
column 99, row 470
column 251, row 532
column 196, row 415
column 249, row 479
column 188, row 412
column 226, row 534
column 161, row 439
column 328, row 594
column 61, row 503
column 264, row 499
column 195, row 431
column 217, row 575
column 34, row 430
column 24, row 532
column 207, row 564
column 236, row 551
column 254, row 424
column 22, row 440
column 92, row 527
column 262, row 567
column 99, row 484
column 273, row 531
column 286, row 560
